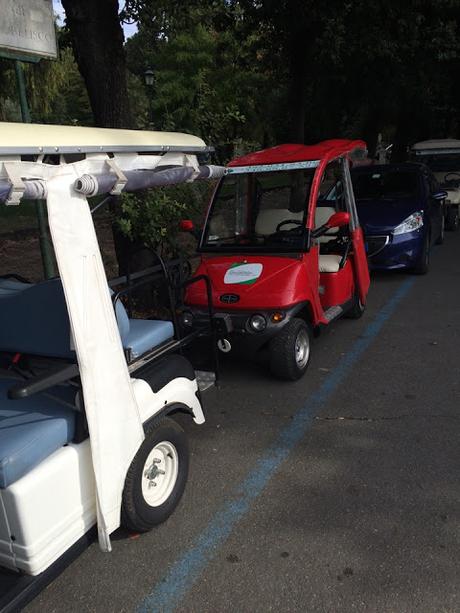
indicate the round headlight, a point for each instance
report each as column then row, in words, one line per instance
column 258, row 323
column 187, row 318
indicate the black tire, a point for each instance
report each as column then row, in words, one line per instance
column 136, row 512
column 286, row 360
column 440, row 239
column 357, row 309
column 453, row 219
column 423, row 264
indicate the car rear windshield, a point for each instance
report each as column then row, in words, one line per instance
column 259, row 212
column 386, row 184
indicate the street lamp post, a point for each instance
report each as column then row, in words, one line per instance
column 149, row 78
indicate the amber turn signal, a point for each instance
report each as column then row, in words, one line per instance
column 277, row 317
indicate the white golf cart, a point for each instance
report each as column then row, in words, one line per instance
column 442, row 156
column 86, row 390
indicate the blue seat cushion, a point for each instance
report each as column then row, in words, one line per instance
column 31, row 429
column 146, row 334
column 11, row 286
column 34, row 320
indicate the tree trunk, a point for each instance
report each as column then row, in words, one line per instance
column 97, row 38
column 370, row 130
column 404, row 129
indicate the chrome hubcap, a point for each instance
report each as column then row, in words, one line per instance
column 160, row 473
column 302, row 349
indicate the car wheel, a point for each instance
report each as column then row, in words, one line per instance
column 290, row 350
column 440, row 239
column 453, row 220
column 156, row 479
column 423, row 263
column 357, row 309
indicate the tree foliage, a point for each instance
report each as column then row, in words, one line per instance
column 245, row 74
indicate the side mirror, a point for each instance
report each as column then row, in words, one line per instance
column 186, row 225
column 441, row 195
column 337, row 220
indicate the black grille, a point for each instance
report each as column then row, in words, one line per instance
column 375, row 244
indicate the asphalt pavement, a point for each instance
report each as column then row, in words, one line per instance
column 339, row 492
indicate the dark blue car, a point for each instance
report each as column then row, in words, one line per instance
column 401, row 209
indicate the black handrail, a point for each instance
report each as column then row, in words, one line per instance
column 212, row 323
column 148, row 276
column 58, row 375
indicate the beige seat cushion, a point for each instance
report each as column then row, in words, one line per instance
column 268, row 220
column 322, row 215
column 329, row 263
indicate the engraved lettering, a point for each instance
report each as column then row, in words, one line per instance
column 28, row 26
column 19, row 11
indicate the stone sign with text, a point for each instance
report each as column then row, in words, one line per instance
column 27, row 27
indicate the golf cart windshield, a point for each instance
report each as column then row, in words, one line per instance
column 259, row 211
column 385, row 185
column 442, row 163
column 445, row 166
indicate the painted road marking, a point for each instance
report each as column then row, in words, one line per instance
column 170, row 591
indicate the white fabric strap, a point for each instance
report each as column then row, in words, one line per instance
column 112, row 413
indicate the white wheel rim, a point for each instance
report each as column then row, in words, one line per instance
column 159, row 474
column 302, row 348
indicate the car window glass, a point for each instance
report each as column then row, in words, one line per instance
column 385, row 184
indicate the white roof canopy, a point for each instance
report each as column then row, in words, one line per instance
column 437, row 146
column 19, row 138
column 109, row 161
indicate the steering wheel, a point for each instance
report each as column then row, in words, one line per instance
column 454, row 176
column 297, row 222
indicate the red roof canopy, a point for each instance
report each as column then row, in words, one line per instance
column 327, row 149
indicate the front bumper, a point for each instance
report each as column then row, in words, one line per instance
column 389, row 252
column 234, row 326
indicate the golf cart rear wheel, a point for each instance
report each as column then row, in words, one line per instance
column 290, row 350
column 452, row 221
column 440, row 239
column 357, row 309
column 156, row 478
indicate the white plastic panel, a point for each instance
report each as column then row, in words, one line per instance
column 180, row 390
column 50, row 508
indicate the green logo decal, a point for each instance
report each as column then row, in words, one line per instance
column 243, row 274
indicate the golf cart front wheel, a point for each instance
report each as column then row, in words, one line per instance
column 290, row 350
column 156, row 478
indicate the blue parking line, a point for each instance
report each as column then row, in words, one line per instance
column 170, row 591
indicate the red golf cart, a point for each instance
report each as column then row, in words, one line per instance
column 284, row 251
